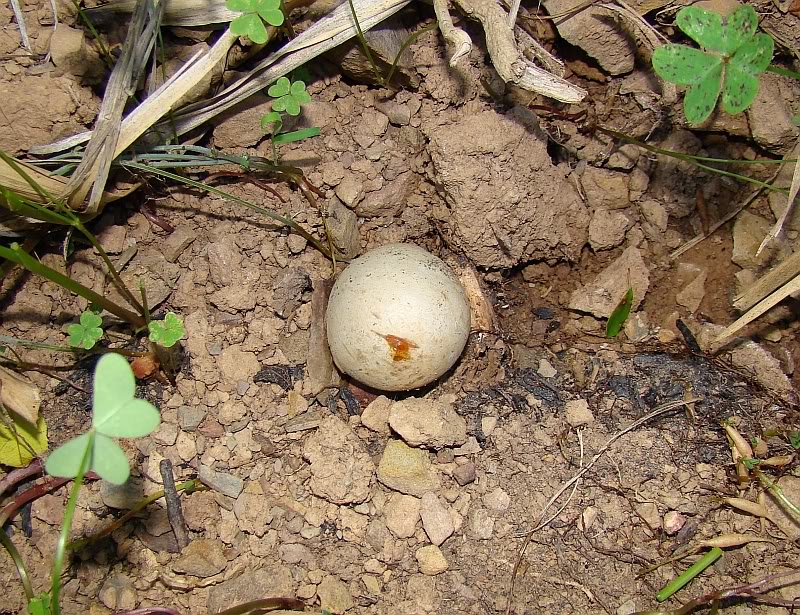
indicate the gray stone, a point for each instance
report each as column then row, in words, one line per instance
column 288, row 291
column 227, row 484
column 389, row 200
column 465, row 474
column 429, row 423
column 343, row 226
column 190, row 417
column 407, row 470
column 436, row 519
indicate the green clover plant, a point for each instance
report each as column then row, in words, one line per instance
column 116, row 413
column 87, row 332
column 255, row 14
column 289, row 95
column 167, row 332
column 732, row 57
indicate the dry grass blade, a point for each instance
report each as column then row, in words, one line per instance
column 93, row 170
column 23, row 31
column 794, row 188
column 176, row 12
column 762, row 306
column 776, row 278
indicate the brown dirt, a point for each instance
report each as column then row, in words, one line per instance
column 542, row 206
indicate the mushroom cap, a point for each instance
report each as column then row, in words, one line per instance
column 397, row 319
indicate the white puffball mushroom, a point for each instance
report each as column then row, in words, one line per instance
column 398, row 318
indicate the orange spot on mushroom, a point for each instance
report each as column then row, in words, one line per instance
column 400, row 348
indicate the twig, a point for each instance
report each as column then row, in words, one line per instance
column 20, row 474
column 668, row 407
column 513, row 12
column 152, row 610
column 174, row 511
column 509, row 63
column 265, row 604
column 455, row 36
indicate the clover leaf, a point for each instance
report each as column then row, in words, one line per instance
column 86, row 333
column 116, row 413
column 255, row 13
column 731, row 58
column 167, row 332
column 289, row 95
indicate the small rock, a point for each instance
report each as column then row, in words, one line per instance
column 481, row 524
column 431, row 560
column 376, row 415
column 271, row 580
column 637, row 327
column 371, row 583
column 625, row 158
column 236, row 365
column 332, row 172
column 604, row 293
column 49, row 508
column 407, row 470
column 770, row 115
column 350, row 190
column 600, row 37
column 334, row 595
column 655, row 213
column 429, row 423
column 607, row 229
column 167, row 434
column 471, row 447
column 118, row 593
column 341, row 469
column 673, row 522
column 399, row 114
column 402, row 513
column 389, row 200
column 692, row 295
column 288, row 291
column 200, row 510
column 294, row 553
column 748, row 233
column 224, row 261
column 190, row 417
column 253, row 513
column 201, row 558
column 578, row 412
column 488, row 425
column 124, row 496
column 343, row 227
column 546, row 370
column 227, row 484
column 177, row 242
column 112, row 238
column 605, row 189
column 436, row 519
column 296, row 243
column 497, row 500
column 648, row 512
column 465, row 474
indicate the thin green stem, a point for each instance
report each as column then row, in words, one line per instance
column 776, row 491
column 19, row 256
column 69, row 513
column 363, row 40
column 695, row 160
column 211, row 189
column 783, row 72
column 690, row 573
column 406, row 44
column 22, row 571
column 90, row 26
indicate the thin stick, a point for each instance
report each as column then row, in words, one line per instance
column 668, row 407
column 23, row 31
column 174, row 511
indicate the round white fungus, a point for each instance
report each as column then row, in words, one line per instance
column 397, row 318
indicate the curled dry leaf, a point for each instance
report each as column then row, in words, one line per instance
column 19, row 395
column 144, row 367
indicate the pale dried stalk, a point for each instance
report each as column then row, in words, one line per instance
column 510, row 64
column 791, row 203
column 92, row 172
column 762, row 306
column 176, row 12
column 456, row 37
column 23, row 31
column 776, row 278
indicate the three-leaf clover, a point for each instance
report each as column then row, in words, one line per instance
column 731, row 52
column 289, row 95
column 116, row 413
column 167, row 332
column 256, row 12
column 86, row 333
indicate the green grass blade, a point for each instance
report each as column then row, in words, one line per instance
column 690, row 573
